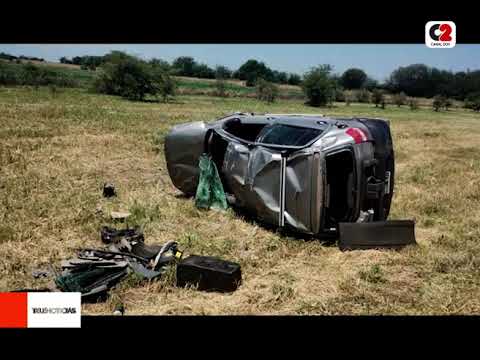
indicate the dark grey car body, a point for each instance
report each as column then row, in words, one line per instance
column 303, row 172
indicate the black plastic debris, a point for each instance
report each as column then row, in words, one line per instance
column 93, row 272
column 112, row 235
column 109, row 190
column 209, row 274
column 392, row 234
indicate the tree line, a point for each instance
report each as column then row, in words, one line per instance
column 131, row 77
column 187, row 66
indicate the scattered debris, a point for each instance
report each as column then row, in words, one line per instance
column 209, row 274
column 95, row 271
column 392, row 234
column 37, row 274
column 109, row 190
column 119, row 215
column 111, row 235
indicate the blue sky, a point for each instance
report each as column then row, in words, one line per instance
column 376, row 59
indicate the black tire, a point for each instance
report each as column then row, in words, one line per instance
column 380, row 131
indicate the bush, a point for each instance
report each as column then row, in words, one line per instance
column 413, row 103
column 165, row 85
column 363, row 96
column 132, row 78
column 318, row 86
column 472, row 101
column 266, row 91
column 378, row 98
column 29, row 74
column 7, row 75
column 399, row 99
column 438, row 102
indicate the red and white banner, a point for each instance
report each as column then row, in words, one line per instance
column 40, row 310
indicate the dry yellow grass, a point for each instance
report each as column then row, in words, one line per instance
column 57, row 150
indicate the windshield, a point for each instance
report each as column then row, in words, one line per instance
column 287, row 135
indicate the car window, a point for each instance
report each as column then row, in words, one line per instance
column 287, row 135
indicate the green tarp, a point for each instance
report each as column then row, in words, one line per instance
column 210, row 192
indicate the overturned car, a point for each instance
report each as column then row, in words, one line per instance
column 304, row 172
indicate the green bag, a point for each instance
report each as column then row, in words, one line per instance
column 210, row 192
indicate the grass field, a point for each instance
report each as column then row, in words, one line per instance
column 185, row 85
column 57, row 150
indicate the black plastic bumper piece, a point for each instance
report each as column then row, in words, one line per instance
column 209, row 274
column 393, row 234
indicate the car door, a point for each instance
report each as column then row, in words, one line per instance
column 252, row 174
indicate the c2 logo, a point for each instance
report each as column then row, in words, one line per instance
column 445, row 32
column 440, row 34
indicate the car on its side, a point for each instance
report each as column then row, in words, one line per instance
column 299, row 171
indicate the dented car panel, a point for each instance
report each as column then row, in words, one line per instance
column 303, row 172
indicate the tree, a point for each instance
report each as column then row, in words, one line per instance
column 65, row 60
column 318, row 86
column 266, row 90
column 184, row 66
column 353, row 79
column 160, row 64
column 129, row 77
column 252, row 70
column 222, row 72
column 280, row 77
column 371, row 84
column 294, row 79
column 414, row 80
column 378, row 97
column 399, row 99
column 203, row 71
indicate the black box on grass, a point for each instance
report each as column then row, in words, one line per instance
column 209, row 273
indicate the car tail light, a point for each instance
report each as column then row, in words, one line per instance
column 358, row 135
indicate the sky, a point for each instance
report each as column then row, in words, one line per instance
column 377, row 60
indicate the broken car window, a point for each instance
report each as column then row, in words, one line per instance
column 287, row 135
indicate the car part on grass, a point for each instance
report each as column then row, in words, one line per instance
column 209, row 274
column 92, row 280
column 109, row 190
column 392, row 234
column 209, row 192
column 112, row 235
column 95, row 271
column 40, row 273
column 120, row 216
column 305, row 173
